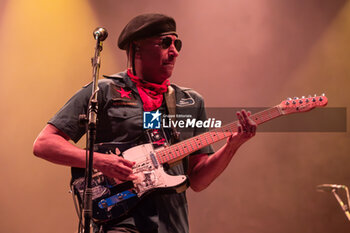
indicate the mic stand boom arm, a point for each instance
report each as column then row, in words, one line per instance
column 345, row 207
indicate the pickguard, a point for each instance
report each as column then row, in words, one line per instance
column 150, row 173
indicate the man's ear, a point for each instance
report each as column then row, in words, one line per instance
column 136, row 49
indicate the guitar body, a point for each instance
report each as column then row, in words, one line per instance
column 111, row 201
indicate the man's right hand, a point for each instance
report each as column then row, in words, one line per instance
column 114, row 166
column 52, row 144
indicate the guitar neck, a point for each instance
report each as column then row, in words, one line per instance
column 180, row 150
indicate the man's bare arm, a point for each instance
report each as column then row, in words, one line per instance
column 53, row 145
column 205, row 169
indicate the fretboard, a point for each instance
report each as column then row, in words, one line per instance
column 180, row 150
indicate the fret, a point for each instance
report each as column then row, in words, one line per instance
column 211, row 136
column 231, row 130
column 256, row 118
column 205, row 137
column 164, row 159
column 170, row 154
column 214, row 136
column 269, row 114
column 259, row 118
column 163, row 155
column 194, row 139
column 166, row 156
column 217, row 135
column 185, row 147
column 191, row 146
column 159, row 158
column 201, row 139
column 221, row 133
column 224, row 131
column 180, row 148
column 176, row 151
column 233, row 126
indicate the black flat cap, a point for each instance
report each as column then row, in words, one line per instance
column 144, row 26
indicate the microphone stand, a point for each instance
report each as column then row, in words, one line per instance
column 100, row 34
column 345, row 207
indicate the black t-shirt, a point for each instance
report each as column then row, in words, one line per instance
column 120, row 119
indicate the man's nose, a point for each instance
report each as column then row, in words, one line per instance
column 173, row 51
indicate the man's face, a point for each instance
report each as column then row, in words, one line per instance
column 157, row 61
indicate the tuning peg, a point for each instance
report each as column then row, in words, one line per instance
column 289, row 99
column 303, row 97
column 307, row 100
column 309, row 96
column 287, row 103
column 315, row 95
column 296, row 98
column 320, row 99
column 323, row 94
column 300, row 101
column 294, row 102
column 313, row 99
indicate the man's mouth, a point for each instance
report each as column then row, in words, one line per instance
column 168, row 63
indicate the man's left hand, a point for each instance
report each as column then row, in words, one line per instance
column 246, row 130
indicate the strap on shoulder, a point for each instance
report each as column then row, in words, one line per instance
column 170, row 101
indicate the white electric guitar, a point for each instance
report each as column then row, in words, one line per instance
column 112, row 201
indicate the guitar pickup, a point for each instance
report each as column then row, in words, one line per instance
column 122, row 187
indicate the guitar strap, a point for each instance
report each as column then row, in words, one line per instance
column 170, row 100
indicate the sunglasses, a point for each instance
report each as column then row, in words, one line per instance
column 167, row 41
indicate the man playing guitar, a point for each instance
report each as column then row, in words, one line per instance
column 152, row 47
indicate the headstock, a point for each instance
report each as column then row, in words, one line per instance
column 303, row 104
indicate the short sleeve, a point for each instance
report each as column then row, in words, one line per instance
column 190, row 107
column 67, row 118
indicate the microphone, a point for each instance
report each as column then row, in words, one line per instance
column 100, row 34
column 329, row 187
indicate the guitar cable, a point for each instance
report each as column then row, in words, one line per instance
column 77, row 207
column 80, row 215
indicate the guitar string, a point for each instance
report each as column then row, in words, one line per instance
column 169, row 153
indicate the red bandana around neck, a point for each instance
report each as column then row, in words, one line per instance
column 151, row 93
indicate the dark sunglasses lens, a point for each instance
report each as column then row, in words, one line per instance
column 178, row 44
column 167, row 41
